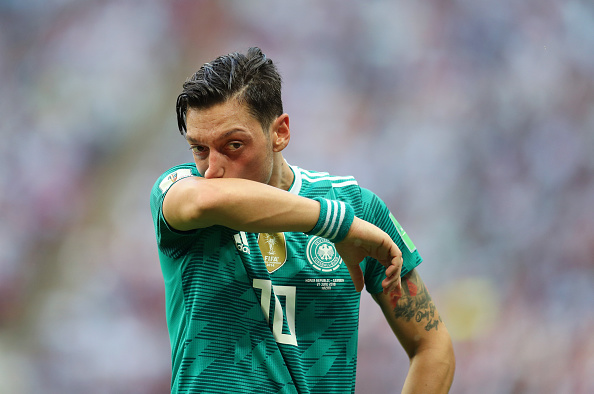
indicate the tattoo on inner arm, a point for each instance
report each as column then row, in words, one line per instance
column 416, row 303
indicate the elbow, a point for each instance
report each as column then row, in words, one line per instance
column 450, row 365
column 203, row 203
column 445, row 360
column 448, row 353
column 439, row 363
column 194, row 205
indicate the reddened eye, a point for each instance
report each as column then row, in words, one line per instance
column 234, row 145
column 199, row 151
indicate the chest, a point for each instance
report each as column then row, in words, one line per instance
column 293, row 259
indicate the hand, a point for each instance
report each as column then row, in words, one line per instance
column 364, row 239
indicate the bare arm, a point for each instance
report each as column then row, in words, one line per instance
column 419, row 328
column 245, row 205
column 239, row 204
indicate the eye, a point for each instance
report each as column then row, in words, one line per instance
column 234, row 145
column 199, row 151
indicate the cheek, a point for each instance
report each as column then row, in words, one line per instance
column 201, row 166
column 259, row 168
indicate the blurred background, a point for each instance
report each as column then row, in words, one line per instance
column 474, row 121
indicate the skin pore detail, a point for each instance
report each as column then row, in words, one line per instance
column 415, row 302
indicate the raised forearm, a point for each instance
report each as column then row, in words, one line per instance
column 239, row 204
column 244, row 205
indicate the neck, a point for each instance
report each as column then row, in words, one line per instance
column 282, row 175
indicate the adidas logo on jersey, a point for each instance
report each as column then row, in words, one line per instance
column 241, row 242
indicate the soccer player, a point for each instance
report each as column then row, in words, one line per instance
column 264, row 262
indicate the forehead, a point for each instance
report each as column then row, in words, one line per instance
column 219, row 120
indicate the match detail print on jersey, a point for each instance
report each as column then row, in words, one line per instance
column 274, row 250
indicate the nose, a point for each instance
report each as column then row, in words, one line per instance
column 215, row 166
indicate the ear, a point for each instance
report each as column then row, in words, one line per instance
column 280, row 133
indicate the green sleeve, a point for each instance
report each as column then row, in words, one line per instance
column 376, row 212
column 164, row 233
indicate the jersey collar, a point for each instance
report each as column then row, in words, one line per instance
column 296, row 186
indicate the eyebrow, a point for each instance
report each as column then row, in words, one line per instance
column 226, row 135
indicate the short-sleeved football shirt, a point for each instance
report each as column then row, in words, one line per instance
column 267, row 313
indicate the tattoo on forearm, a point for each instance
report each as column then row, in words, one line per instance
column 416, row 303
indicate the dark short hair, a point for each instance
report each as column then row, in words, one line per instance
column 251, row 78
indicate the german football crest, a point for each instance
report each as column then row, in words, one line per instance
column 274, row 250
column 322, row 255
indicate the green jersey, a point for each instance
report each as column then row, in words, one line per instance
column 267, row 313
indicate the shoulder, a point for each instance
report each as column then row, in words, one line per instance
column 319, row 176
column 172, row 175
column 168, row 178
column 337, row 187
column 318, row 181
column 371, row 200
column 160, row 188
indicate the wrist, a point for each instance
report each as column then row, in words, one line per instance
column 334, row 221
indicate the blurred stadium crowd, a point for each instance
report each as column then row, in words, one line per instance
column 474, row 121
